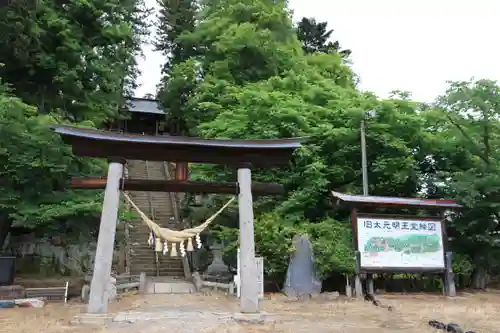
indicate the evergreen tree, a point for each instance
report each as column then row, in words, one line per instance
column 76, row 57
column 315, row 38
column 176, row 17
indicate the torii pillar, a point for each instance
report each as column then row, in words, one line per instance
column 99, row 293
column 249, row 297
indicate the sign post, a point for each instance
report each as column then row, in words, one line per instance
column 259, row 262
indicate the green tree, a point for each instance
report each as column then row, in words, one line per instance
column 75, row 58
column 75, row 61
column 175, row 18
column 179, row 74
column 315, row 37
column 239, row 42
column 465, row 164
column 35, row 171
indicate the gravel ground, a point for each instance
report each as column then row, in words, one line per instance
column 215, row 313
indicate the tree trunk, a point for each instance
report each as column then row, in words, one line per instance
column 479, row 278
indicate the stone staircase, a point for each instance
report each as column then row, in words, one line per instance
column 161, row 208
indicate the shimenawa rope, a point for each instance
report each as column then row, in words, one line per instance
column 159, row 234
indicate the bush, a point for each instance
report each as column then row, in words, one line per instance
column 331, row 240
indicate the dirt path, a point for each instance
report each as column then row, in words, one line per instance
column 198, row 313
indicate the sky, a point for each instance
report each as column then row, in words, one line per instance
column 410, row 45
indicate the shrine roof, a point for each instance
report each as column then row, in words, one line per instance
column 395, row 201
column 104, row 144
column 142, row 105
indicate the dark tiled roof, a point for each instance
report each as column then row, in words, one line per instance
column 176, row 140
column 393, row 201
column 104, row 144
column 142, row 105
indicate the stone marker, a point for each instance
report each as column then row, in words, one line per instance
column 302, row 278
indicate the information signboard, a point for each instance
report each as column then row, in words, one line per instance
column 397, row 243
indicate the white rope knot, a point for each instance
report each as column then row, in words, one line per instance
column 198, row 241
column 182, row 250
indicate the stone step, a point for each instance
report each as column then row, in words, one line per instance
column 163, row 220
column 152, row 267
column 161, row 258
column 141, row 236
column 152, row 258
column 158, row 206
column 139, row 255
column 141, row 239
column 146, row 255
column 146, row 250
column 149, row 252
column 170, row 287
column 147, row 264
column 152, row 262
column 153, row 272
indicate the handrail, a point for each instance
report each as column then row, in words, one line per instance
column 150, row 200
column 126, row 227
column 153, row 217
column 173, row 196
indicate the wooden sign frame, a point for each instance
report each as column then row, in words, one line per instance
column 355, row 215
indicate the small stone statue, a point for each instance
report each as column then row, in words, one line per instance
column 111, row 290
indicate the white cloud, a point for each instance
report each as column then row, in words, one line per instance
column 406, row 45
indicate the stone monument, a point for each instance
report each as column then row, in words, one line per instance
column 302, row 278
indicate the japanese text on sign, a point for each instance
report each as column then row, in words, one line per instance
column 392, row 242
column 400, row 225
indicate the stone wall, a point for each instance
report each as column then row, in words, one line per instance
column 56, row 256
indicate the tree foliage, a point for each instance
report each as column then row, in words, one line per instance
column 314, row 37
column 63, row 62
column 35, row 169
column 466, row 159
column 176, row 18
column 75, row 58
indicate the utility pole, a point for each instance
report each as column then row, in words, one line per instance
column 364, row 170
column 364, row 164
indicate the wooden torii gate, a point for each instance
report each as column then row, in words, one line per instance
column 117, row 148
